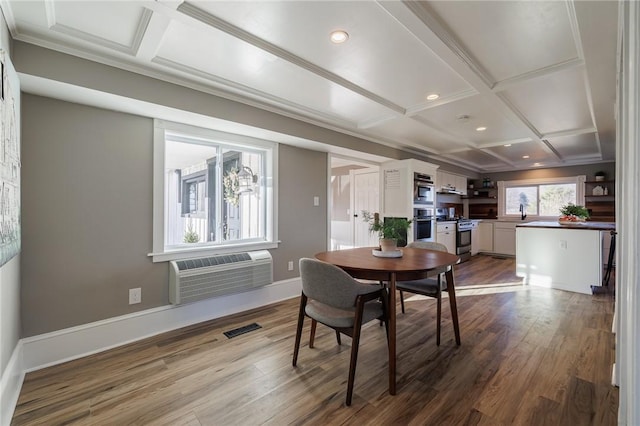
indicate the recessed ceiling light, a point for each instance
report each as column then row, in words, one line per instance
column 433, row 97
column 507, row 144
column 536, row 164
column 339, row 36
column 525, row 156
column 481, row 129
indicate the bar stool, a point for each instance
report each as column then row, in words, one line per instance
column 612, row 249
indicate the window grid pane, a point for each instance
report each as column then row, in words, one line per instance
column 212, row 208
column 539, row 200
column 525, row 196
column 553, row 197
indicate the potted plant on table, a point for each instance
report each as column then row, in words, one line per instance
column 389, row 230
column 572, row 213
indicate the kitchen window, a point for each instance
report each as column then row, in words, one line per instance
column 538, row 198
column 214, row 192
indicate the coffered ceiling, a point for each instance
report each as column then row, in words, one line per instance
column 538, row 76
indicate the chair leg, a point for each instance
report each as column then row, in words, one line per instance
column 402, row 301
column 612, row 249
column 338, row 338
column 355, row 342
column 296, row 348
column 312, row 337
column 438, row 317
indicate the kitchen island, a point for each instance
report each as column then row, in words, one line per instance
column 566, row 257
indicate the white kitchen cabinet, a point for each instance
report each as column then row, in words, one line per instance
column 450, row 180
column 396, row 185
column 461, row 184
column 485, row 237
column 446, row 234
column 444, row 180
column 504, row 238
column 475, row 243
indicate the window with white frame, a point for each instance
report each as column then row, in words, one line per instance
column 213, row 192
column 539, row 198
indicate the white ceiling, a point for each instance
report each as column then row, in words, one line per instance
column 538, row 75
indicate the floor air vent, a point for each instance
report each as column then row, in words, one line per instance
column 242, row 330
column 191, row 280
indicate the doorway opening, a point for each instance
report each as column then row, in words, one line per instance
column 354, row 186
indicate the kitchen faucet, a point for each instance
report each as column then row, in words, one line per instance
column 523, row 212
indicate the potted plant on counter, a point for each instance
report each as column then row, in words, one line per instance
column 389, row 230
column 572, row 213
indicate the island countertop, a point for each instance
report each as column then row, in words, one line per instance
column 595, row 226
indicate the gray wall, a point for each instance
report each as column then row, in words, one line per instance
column 87, row 187
column 87, row 214
column 589, row 170
column 41, row 62
column 302, row 227
column 9, row 273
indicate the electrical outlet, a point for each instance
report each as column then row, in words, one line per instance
column 316, row 201
column 290, row 266
column 135, row 295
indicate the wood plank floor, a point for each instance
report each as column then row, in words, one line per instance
column 529, row 356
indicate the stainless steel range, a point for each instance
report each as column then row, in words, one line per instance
column 463, row 239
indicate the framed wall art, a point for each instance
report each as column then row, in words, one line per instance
column 10, row 230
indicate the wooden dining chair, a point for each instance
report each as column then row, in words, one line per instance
column 430, row 286
column 332, row 297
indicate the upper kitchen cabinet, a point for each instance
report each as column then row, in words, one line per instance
column 396, row 185
column 450, row 182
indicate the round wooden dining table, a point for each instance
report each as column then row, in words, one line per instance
column 415, row 263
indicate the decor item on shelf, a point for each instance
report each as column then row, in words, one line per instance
column 597, row 190
column 389, row 230
column 600, row 176
column 572, row 213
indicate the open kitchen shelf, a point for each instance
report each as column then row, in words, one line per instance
column 602, row 208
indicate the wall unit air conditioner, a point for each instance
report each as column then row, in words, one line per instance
column 191, row 280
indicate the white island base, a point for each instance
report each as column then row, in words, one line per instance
column 557, row 256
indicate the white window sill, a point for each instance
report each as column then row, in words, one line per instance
column 188, row 253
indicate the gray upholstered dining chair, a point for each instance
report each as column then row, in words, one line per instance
column 332, row 297
column 431, row 287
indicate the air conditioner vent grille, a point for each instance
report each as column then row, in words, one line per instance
column 204, row 262
column 191, row 280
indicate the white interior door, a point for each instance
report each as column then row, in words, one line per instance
column 365, row 195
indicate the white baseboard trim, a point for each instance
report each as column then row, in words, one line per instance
column 72, row 343
column 10, row 385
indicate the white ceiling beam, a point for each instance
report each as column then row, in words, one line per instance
column 420, row 21
column 153, row 35
column 572, row 132
column 198, row 14
column 542, row 72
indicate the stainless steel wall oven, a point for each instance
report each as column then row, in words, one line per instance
column 423, row 222
column 423, row 189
